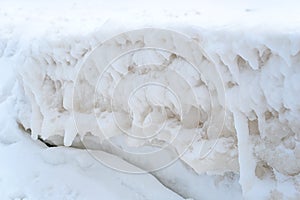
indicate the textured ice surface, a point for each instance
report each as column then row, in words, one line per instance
column 256, row 55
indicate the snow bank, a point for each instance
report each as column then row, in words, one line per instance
column 220, row 93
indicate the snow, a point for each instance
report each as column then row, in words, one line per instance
column 200, row 97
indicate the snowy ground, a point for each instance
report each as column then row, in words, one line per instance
column 253, row 45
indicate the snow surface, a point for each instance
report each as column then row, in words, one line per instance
column 248, row 56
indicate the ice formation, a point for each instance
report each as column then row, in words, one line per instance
column 236, row 112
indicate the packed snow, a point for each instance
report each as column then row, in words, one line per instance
column 164, row 100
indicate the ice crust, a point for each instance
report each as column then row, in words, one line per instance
column 259, row 68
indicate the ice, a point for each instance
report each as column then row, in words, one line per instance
column 248, row 72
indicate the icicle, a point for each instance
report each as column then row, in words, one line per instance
column 246, row 158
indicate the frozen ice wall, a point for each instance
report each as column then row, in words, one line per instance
column 222, row 95
column 260, row 132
